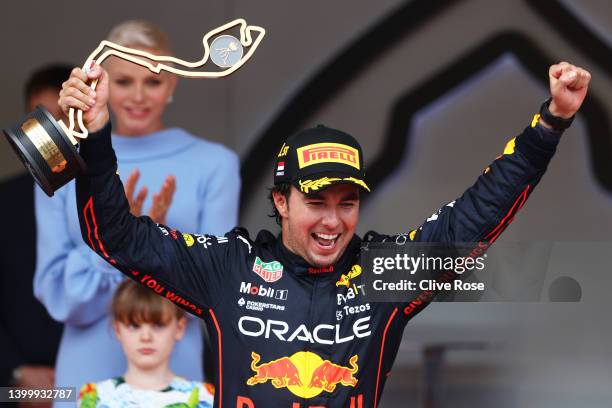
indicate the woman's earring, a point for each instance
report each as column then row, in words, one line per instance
column 170, row 99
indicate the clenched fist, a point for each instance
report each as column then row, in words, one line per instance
column 76, row 93
column 568, row 88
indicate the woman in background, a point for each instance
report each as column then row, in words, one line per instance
column 197, row 185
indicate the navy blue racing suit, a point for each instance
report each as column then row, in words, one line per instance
column 287, row 334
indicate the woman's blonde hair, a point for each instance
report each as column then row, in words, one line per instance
column 140, row 34
column 134, row 303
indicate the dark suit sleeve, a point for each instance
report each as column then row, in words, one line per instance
column 478, row 217
column 485, row 209
column 185, row 268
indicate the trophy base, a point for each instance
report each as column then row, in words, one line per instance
column 45, row 150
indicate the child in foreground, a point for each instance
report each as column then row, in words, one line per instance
column 147, row 326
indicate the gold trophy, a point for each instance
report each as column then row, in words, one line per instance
column 48, row 148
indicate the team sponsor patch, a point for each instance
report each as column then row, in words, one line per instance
column 280, row 169
column 509, row 149
column 326, row 269
column 304, row 374
column 323, row 333
column 189, row 241
column 268, row 271
column 203, row 240
column 345, row 279
column 327, row 153
column 351, row 293
column 259, row 306
column 263, row 291
column 351, row 310
column 283, row 150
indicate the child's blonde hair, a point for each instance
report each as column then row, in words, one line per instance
column 136, row 304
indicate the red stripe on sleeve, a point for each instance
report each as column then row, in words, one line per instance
column 219, row 343
column 89, row 209
column 88, row 205
column 518, row 204
column 382, row 350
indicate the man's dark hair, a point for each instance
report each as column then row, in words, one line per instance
column 284, row 189
column 47, row 77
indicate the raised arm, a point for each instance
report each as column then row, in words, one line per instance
column 485, row 209
column 483, row 212
column 173, row 264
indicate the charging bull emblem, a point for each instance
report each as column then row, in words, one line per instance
column 304, row 374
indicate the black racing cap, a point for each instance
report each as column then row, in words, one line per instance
column 316, row 158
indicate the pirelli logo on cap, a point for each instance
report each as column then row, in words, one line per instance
column 327, row 153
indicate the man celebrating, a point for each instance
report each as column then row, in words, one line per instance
column 287, row 313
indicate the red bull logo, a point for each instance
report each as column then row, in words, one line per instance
column 304, row 374
column 328, row 375
column 282, row 372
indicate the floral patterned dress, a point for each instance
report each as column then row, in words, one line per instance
column 116, row 393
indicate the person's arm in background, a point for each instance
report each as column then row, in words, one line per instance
column 73, row 283
column 220, row 193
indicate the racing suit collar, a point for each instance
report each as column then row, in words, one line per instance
column 298, row 266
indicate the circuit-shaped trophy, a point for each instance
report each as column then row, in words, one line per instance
column 48, row 148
